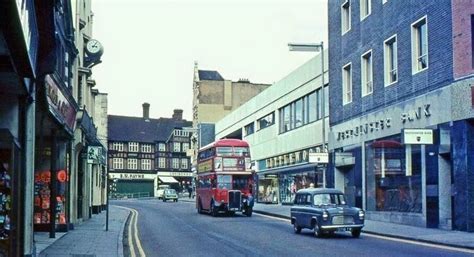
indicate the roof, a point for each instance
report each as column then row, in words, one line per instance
column 138, row 129
column 227, row 142
column 209, row 75
column 320, row 191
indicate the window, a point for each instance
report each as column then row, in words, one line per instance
column 175, row 163
column 117, row 146
column 133, row 147
column 366, row 73
column 162, row 162
column 390, row 61
column 185, row 147
column 249, row 129
column 312, row 107
column 132, row 164
column 365, row 8
column 161, row 147
column 146, row 164
column 117, row 163
column 472, row 40
column 285, row 118
column 326, row 101
column 266, row 121
column 346, row 84
column 345, row 17
column 419, row 45
column 176, row 147
column 184, row 163
column 298, row 120
column 146, row 148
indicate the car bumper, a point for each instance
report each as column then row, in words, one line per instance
column 342, row 226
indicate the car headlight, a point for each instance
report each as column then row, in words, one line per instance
column 245, row 200
column 361, row 215
column 325, row 215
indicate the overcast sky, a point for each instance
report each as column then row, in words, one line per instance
column 150, row 46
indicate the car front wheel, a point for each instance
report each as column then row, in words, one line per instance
column 356, row 233
column 318, row 232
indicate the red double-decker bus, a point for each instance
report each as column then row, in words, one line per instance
column 224, row 178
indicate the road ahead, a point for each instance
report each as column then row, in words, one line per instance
column 176, row 229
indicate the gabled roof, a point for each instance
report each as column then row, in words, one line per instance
column 138, row 129
column 209, row 75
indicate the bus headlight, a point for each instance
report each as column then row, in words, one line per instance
column 361, row 215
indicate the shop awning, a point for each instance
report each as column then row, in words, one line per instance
column 167, row 179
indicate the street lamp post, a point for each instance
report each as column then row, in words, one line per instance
column 314, row 47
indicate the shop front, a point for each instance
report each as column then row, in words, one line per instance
column 133, row 185
column 55, row 123
column 404, row 164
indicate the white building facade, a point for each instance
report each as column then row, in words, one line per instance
column 283, row 125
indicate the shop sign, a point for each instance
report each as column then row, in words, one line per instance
column 59, row 106
column 176, row 174
column 416, row 113
column 94, row 154
column 417, row 136
column 318, row 158
column 365, row 128
column 131, row 176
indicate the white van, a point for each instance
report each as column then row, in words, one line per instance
column 161, row 191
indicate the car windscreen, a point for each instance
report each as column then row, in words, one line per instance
column 328, row 199
column 170, row 191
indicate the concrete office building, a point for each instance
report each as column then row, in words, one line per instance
column 283, row 124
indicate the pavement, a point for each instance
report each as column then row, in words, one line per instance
column 451, row 238
column 88, row 238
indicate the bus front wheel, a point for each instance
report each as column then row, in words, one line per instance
column 248, row 211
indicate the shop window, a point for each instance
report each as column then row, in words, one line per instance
column 9, row 154
column 393, row 176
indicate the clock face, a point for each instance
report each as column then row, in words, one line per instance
column 93, row 46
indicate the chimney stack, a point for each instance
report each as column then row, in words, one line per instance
column 177, row 114
column 146, row 111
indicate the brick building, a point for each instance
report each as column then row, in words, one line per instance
column 401, row 109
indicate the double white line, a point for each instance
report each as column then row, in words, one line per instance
column 131, row 238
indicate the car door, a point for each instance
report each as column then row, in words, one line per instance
column 307, row 210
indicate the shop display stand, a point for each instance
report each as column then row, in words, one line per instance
column 9, row 150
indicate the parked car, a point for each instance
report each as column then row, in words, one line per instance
column 325, row 211
column 170, row 194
